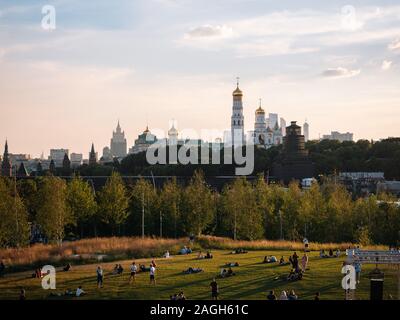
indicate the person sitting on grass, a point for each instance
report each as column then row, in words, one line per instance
column 80, row 292
column 232, row 264
column 230, row 272
column 181, row 296
column 283, row 295
column 209, row 255
column 67, row 267
column 270, row 259
column 282, row 262
column 223, row 273
column 239, row 251
column 69, row 293
column 115, row 270
column 292, row 295
column 337, row 253
column 271, row 295
column 317, row 296
column 120, row 269
column 322, row 254
column 22, row 295
column 166, row 254
column 143, row 268
column 330, row 253
column 295, row 274
column 200, row 256
column 191, row 270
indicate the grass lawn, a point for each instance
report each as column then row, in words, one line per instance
column 252, row 280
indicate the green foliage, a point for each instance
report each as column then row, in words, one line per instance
column 81, row 202
column 52, row 213
column 241, row 213
column 198, row 206
column 113, row 202
column 14, row 227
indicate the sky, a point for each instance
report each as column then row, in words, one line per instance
column 146, row 62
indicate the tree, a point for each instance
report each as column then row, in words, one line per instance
column 270, row 199
column 14, row 227
column 170, row 198
column 52, row 214
column 243, row 216
column 113, row 203
column 145, row 212
column 198, row 204
column 81, row 202
column 292, row 224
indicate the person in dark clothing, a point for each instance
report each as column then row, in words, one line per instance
column 2, row 268
column 22, row 295
column 67, row 267
column 271, row 295
column 316, row 298
column 214, row 290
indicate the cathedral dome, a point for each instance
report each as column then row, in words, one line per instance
column 260, row 110
column 237, row 92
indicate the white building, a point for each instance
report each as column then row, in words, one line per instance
column 338, row 136
column 237, row 118
column 306, row 131
column 76, row 159
column 118, row 143
column 264, row 134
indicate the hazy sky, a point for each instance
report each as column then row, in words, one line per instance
column 335, row 63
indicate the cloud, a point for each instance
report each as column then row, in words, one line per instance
column 340, row 73
column 386, row 65
column 209, row 31
column 394, row 45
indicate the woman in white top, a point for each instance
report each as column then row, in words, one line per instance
column 152, row 274
column 79, row 291
column 283, row 295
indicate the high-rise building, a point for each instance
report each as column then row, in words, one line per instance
column 6, row 170
column 273, row 120
column 57, row 155
column 118, row 143
column 92, row 156
column 76, row 159
column 283, row 127
column 237, row 118
column 306, row 131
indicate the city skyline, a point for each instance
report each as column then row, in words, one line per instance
column 335, row 65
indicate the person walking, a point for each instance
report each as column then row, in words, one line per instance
column 100, row 277
column 214, row 290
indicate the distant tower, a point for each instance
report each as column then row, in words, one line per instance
column 172, row 136
column 306, row 131
column 6, row 170
column 237, row 119
column 22, row 172
column 92, row 156
column 260, row 127
column 52, row 167
column 66, row 165
column 39, row 169
column 118, row 143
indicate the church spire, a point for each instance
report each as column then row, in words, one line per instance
column 92, row 156
column 6, row 169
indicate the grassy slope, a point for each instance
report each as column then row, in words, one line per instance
column 252, row 281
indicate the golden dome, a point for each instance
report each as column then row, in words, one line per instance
column 147, row 130
column 260, row 110
column 237, row 92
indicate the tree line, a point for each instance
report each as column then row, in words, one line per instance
column 60, row 209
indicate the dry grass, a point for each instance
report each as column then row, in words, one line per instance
column 229, row 244
column 126, row 248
